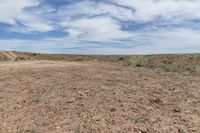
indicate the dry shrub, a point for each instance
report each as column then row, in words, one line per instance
column 171, row 68
column 137, row 61
column 3, row 58
column 20, row 58
column 197, row 69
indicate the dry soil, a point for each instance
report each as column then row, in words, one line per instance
column 95, row 97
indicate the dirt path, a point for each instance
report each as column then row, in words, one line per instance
column 62, row 97
column 10, row 55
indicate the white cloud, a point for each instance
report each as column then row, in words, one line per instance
column 96, row 29
column 97, row 26
column 13, row 12
column 96, row 21
column 93, row 21
column 10, row 9
column 148, row 10
column 90, row 9
column 175, row 41
column 32, row 22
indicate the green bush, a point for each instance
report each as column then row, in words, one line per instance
column 121, row 59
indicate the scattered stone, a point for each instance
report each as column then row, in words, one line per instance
column 71, row 101
column 177, row 110
column 31, row 131
column 119, row 100
column 182, row 129
column 156, row 100
column 113, row 110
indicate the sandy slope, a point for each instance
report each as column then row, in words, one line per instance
column 60, row 97
column 9, row 55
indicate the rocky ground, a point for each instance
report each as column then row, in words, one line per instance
column 94, row 96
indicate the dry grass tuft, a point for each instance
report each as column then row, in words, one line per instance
column 137, row 61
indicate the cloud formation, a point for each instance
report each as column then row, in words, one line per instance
column 166, row 10
column 100, row 27
column 11, row 10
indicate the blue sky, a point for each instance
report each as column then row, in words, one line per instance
column 100, row 26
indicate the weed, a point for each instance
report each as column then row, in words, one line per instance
column 79, row 59
column 137, row 61
column 37, row 100
column 170, row 68
column 19, row 58
column 121, row 59
column 197, row 69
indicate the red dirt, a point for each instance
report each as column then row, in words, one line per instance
column 60, row 97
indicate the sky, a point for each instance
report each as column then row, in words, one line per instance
column 100, row 26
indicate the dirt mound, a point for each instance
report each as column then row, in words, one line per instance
column 59, row 97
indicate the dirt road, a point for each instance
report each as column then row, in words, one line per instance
column 9, row 55
column 62, row 97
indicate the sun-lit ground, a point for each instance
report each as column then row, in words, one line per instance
column 93, row 96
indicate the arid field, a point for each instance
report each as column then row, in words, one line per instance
column 43, row 96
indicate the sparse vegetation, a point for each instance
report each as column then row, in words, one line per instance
column 171, row 68
column 197, row 69
column 79, row 59
column 34, row 54
column 121, row 59
column 19, row 58
column 3, row 58
column 180, row 64
column 137, row 61
column 65, row 96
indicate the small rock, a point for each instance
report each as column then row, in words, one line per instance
column 113, row 109
column 178, row 110
column 182, row 130
column 70, row 101
column 119, row 100
column 156, row 100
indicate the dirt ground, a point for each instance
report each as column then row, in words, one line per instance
column 96, row 97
